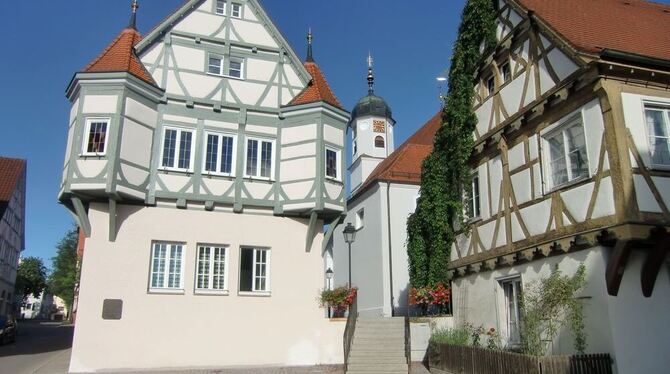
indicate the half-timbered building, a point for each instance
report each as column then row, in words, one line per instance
column 571, row 166
column 202, row 162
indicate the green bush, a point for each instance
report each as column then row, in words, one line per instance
column 453, row 336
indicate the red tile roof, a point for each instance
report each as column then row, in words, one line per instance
column 404, row 164
column 120, row 56
column 317, row 89
column 10, row 171
column 633, row 26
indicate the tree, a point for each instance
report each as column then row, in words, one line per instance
column 64, row 274
column 445, row 174
column 31, row 277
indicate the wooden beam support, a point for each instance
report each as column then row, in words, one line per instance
column 311, row 231
column 112, row 220
column 654, row 262
column 617, row 265
column 329, row 233
column 82, row 216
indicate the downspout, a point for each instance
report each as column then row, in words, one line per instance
column 388, row 218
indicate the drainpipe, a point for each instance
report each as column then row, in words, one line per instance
column 388, row 218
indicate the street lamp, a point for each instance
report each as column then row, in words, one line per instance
column 329, row 277
column 349, row 237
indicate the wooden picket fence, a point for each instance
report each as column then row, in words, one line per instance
column 468, row 360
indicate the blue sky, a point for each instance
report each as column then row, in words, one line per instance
column 47, row 41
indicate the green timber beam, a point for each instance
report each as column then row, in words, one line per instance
column 329, row 234
column 82, row 216
column 311, row 231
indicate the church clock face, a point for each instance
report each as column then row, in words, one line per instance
column 379, row 126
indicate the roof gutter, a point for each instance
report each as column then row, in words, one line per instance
column 651, row 62
column 388, row 218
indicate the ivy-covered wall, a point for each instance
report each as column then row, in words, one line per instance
column 445, row 175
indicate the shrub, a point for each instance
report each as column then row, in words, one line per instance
column 339, row 298
column 453, row 336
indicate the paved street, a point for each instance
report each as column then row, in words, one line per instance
column 41, row 347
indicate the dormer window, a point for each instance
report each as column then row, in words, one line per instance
column 236, row 10
column 96, row 136
column 220, row 7
column 505, row 72
column 379, row 142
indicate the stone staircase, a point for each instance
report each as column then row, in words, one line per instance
column 378, row 347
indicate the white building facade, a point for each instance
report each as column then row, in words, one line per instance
column 12, row 228
column 202, row 167
column 571, row 167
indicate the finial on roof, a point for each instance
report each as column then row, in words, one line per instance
column 310, row 38
column 371, row 77
column 133, row 17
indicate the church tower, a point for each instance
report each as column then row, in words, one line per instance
column 372, row 133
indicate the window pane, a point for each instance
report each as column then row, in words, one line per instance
column 475, row 210
column 236, row 10
column 185, row 150
column 246, row 269
column 218, row 272
column 505, row 72
column 96, row 137
column 252, row 157
column 227, row 155
column 212, row 152
column 577, row 152
column 558, row 167
column 657, row 130
column 331, row 163
column 158, row 266
column 235, row 69
column 266, row 159
column 174, row 276
column 169, row 146
column 203, row 267
column 215, row 65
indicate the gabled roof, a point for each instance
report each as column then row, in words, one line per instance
column 120, row 56
column 11, row 171
column 317, row 89
column 404, row 164
column 591, row 26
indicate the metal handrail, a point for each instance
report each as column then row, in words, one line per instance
column 408, row 341
column 349, row 330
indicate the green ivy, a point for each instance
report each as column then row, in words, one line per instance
column 446, row 170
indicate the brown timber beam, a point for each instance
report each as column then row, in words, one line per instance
column 654, row 261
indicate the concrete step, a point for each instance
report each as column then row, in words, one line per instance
column 374, row 359
column 384, row 368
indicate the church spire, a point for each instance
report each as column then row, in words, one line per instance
column 371, row 77
column 133, row 17
column 310, row 38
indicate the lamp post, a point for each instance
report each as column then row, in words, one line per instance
column 329, row 277
column 349, row 237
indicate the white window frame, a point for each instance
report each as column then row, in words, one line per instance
column 490, row 90
column 210, row 271
column 502, row 282
column 242, row 62
column 268, row 273
column 360, row 219
column 502, row 74
column 222, row 65
column 233, row 161
column 216, row 7
column 89, row 122
column 665, row 108
column 475, row 197
column 560, row 127
column 166, row 271
column 259, row 153
column 174, row 166
column 232, row 10
column 338, row 171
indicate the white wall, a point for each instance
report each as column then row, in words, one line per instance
column 188, row 330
